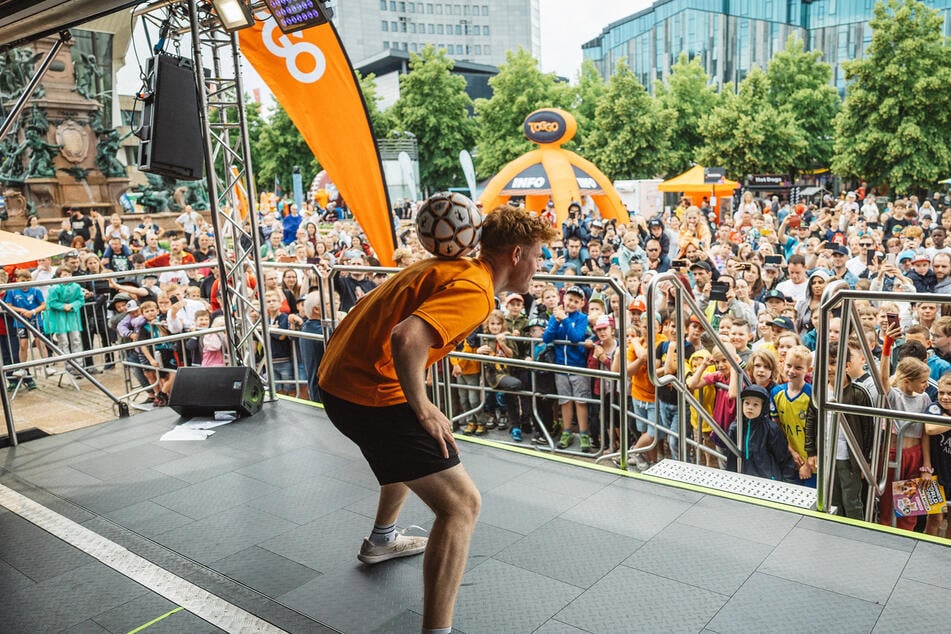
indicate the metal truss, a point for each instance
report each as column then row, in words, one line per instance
column 228, row 172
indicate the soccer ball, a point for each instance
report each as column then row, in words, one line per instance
column 449, row 225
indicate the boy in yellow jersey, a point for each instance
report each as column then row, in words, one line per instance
column 372, row 379
column 790, row 402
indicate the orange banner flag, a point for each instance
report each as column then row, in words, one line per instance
column 310, row 76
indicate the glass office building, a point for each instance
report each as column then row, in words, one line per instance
column 731, row 36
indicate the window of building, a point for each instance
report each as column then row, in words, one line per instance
column 382, row 5
column 465, row 9
column 468, row 50
column 485, row 30
column 456, row 9
column 430, row 28
column 477, row 30
column 412, row 27
column 458, row 49
column 385, row 25
column 439, row 30
column 458, row 29
column 402, row 6
column 393, row 27
column 392, row 5
column 386, row 45
column 485, row 10
column 414, row 47
column 486, row 50
column 478, row 49
column 403, row 26
column 405, row 46
column 429, row 8
column 412, row 7
column 438, row 9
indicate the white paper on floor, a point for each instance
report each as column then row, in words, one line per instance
column 205, row 422
column 183, row 433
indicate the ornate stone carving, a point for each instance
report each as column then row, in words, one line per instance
column 75, row 141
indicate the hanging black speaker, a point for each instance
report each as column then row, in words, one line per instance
column 171, row 142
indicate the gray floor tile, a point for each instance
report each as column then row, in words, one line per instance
column 514, row 508
column 314, row 498
column 549, row 477
column 720, row 563
column 498, row 597
column 931, row 564
column 627, row 480
column 570, row 552
column 114, row 495
column 216, row 495
column 770, row 604
column 414, row 510
column 832, row 527
column 143, row 609
column 642, row 603
column 86, row 627
column 35, row 553
column 208, row 464
column 860, row 570
column 148, row 518
column 124, row 465
column 920, row 606
column 746, row 521
column 627, row 511
column 405, row 621
column 553, row 626
column 62, row 480
column 267, row 572
column 68, row 599
column 296, row 467
column 491, row 471
column 218, row 536
column 325, row 544
column 359, row 598
column 10, row 578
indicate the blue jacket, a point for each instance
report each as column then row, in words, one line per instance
column 573, row 328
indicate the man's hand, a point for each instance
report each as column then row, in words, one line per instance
column 438, row 426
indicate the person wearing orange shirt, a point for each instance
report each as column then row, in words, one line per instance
column 373, row 386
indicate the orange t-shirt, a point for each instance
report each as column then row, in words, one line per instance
column 641, row 387
column 452, row 296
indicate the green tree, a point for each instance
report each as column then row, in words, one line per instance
column 629, row 138
column 381, row 121
column 584, row 102
column 434, row 106
column 799, row 83
column 895, row 124
column 280, row 147
column 745, row 134
column 256, row 123
column 519, row 89
column 687, row 96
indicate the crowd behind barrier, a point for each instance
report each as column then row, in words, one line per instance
column 755, row 279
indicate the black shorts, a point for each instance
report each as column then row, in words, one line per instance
column 391, row 439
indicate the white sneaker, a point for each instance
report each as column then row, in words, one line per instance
column 402, row 546
column 639, row 462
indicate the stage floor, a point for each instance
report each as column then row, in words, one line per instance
column 263, row 521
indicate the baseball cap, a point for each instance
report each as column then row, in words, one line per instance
column 701, row 264
column 541, row 323
column 774, row 294
column 604, row 321
column 119, row 297
column 131, row 306
column 515, row 297
column 784, row 323
column 906, row 255
column 921, row 257
column 655, row 222
column 597, row 223
column 637, row 304
column 839, row 249
column 575, row 290
column 599, row 298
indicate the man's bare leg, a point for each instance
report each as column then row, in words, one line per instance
column 454, row 498
column 392, row 497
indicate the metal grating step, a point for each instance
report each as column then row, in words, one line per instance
column 750, row 486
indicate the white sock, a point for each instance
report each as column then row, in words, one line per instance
column 383, row 534
column 438, row 630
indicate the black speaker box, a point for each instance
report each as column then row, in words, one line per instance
column 201, row 391
column 171, row 142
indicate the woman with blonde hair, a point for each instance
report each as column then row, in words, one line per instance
column 695, row 226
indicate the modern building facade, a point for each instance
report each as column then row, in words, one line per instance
column 731, row 36
column 477, row 32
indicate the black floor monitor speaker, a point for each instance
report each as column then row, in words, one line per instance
column 201, row 391
column 171, row 142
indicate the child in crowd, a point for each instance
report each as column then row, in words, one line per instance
column 213, row 345
column 601, row 357
column 468, row 375
column 499, row 407
column 280, row 343
column 726, row 383
column 158, row 356
column 790, row 401
column 940, row 436
column 699, row 361
column 763, row 445
column 542, row 382
column 567, row 330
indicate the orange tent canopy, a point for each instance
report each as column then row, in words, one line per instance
column 691, row 183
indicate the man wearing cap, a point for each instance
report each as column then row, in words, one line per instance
column 701, row 272
column 840, row 255
column 775, row 302
column 657, row 259
column 573, row 227
column 567, row 329
column 656, row 229
column 921, row 274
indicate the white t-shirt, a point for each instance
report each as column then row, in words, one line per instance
column 793, row 290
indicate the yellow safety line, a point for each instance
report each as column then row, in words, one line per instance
column 156, row 620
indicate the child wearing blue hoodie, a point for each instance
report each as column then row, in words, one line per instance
column 763, row 447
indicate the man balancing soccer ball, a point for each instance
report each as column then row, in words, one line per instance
column 372, row 380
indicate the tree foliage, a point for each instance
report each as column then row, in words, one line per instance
column 381, row 121
column 745, row 134
column 584, row 100
column 799, row 83
column 895, row 124
column 685, row 98
column 280, row 147
column 629, row 138
column 434, row 106
column 519, row 89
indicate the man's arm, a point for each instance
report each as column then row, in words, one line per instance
column 410, row 342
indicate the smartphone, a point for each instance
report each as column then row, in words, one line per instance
column 890, row 259
column 174, row 299
column 773, row 259
column 795, row 220
column 718, row 291
column 870, row 257
column 679, row 264
column 892, row 319
column 744, row 266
